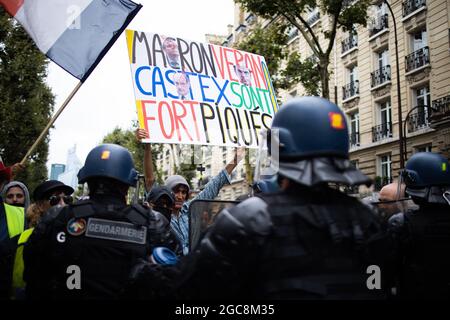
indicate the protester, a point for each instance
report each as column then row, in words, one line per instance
column 48, row 194
column 12, row 224
column 161, row 200
column 423, row 235
column 16, row 193
column 101, row 238
column 181, row 189
column 392, row 201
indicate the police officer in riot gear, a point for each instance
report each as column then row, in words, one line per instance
column 86, row 250
column 307, row 241
column 423, row 235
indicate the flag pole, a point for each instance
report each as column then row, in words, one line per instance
column 52, row 120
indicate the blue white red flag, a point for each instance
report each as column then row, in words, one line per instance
column 75, row 34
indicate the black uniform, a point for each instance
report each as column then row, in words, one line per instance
column 103, row 237
column 423, row 241
column 304, row 243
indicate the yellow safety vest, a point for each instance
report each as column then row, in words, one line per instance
column 18, row 282
column 15, row 218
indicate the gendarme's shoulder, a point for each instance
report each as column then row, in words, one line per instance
column 253, row 214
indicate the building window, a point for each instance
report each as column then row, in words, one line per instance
column 423, row 148
column 313, row 16
column 409, row 6
column 351, row 89
column 422, row 101
column 385, row 171
column 350, row 42
column 420, row 54
column 354, row 129
column 379, row 21
column 384, row 129
column 383, row 73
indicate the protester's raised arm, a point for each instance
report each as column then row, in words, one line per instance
column 148, row 161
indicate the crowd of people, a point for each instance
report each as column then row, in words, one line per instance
column 298, row 237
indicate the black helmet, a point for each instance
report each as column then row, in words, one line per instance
column 268, row 185
column 312, row 138
column 311, row 127
column 427, row 176
column 109, row 161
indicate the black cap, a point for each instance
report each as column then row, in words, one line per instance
column 157, row 192
column 43, row 191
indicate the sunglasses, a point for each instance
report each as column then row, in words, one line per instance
column 54, row 200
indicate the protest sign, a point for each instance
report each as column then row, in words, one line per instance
column 195, row 93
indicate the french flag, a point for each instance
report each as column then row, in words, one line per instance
column 75, row 34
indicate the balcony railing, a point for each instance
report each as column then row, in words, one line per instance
column 441, row 105
column 292, row 34
column 313, row 17
column 380, row 76
column 349, row 43
column 409, row 6
column 417, row 59
column 382, row 131
column 418, row 120
column 250, row 19
column 241, row 28
column 354, row 139
column 350, row 89
column 378, row 24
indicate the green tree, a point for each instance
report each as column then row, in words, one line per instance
column 26, row 102
column 342, row 14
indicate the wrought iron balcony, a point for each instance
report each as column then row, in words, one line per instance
column 382, row 131
column 350, row 89
column 417, row 59
column 349, row 43
column 440, row 112
column 418, row 120
column 409, row 6
column 313, row 17
column 441, row 105
column 354, row 139
column 380, row 76
column 250, row 19
column 241, row 28
column 379, row 24
column 292, row 34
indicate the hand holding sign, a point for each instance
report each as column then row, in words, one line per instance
column 141, row 134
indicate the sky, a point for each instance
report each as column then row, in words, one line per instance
column 106, row 99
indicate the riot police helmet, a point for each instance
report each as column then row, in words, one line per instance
column 427, row 177
column 310, row 135
column 109, row 161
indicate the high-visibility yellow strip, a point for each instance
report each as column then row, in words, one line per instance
column 444, row 166
column 270, row 87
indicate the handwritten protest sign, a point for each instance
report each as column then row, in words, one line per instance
column 195, row 93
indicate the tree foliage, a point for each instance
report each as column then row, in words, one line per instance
column 342, row 14
column 127, row 139
column 26, row 101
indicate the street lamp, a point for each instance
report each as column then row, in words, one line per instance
column 400, row 122
column 200, row 168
